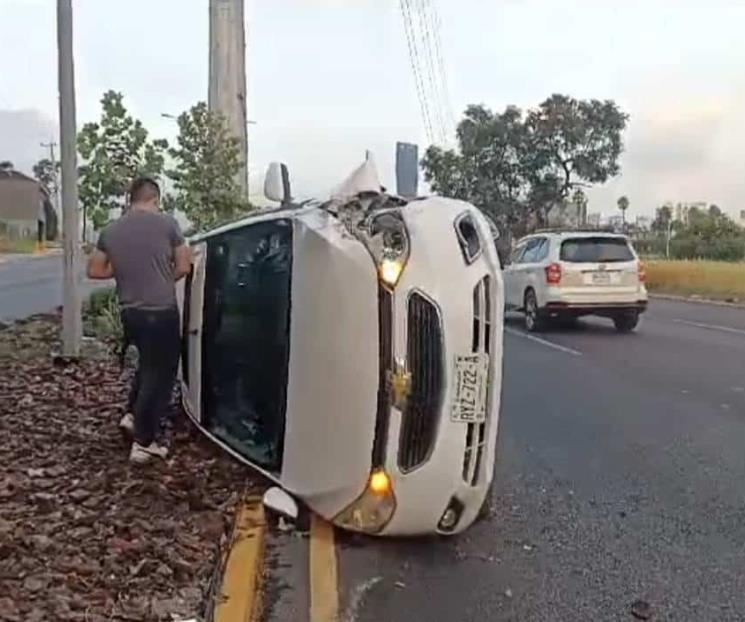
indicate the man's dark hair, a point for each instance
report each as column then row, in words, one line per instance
column 143, row 189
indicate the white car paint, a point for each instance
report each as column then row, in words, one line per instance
column 333, row 378
column 575, row 293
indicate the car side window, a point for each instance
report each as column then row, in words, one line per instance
column 542, row 251
column 517, row 254
column 532, row 250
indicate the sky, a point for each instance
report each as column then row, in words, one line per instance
column 329, row 79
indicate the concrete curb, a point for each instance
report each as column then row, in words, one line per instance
column 239, row 595
column 700, row 301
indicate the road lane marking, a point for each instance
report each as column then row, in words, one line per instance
column 548, row 344
column 324, row 586
column 239, row 591
column 723, row 329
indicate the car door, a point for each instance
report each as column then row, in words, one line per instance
column 533, row 268
column 191, row 303
column 511, row 275
column 522, row 271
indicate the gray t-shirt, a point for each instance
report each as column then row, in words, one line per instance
column 140, row 248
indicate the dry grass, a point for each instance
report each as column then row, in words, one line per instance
column 17, row 246
column 708, row 279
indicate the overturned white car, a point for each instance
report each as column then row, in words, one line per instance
column 351, row 351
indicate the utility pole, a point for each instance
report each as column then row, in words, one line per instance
column 51, row 145
column 227, row 74
column 72, row 329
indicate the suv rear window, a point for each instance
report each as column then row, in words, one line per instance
column 596, row 250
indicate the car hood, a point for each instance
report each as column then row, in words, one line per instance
column 333, row 368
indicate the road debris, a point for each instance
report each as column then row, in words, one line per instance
column 641, row 610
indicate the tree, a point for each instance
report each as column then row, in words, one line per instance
column 6, row 165
column 207, row 162
column 519, row 166
column 623, row 205
column 114, row 151
column 46, row 174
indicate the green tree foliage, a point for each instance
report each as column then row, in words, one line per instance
column 519, row 165
column 207, row 162
column 705, row 234
column 46, row 174
column 114, row 151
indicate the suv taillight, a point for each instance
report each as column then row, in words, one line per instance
column 642, row 272
column 553, row 274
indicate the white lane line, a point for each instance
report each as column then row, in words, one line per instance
column 723, row 329
column 549, row 344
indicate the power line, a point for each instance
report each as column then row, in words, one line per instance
column 437, row 27
column 434, row 93
column 415, row 68
column 423, row 34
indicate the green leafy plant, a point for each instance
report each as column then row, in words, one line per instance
column 207, row 163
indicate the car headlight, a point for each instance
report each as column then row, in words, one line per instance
column 388, row 241
column 373, row 510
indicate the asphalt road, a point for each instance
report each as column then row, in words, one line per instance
column 620, row 477
column 31, row 284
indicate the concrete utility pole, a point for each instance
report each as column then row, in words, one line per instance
column 72, row 326
column 51, row 146
column 227, row 94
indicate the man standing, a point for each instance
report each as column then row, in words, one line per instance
column 146, row 253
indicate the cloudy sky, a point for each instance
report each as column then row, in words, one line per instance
column 329, row 79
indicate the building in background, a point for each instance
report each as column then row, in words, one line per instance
column 25, row 209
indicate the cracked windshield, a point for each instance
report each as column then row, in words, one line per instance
column 372, row 311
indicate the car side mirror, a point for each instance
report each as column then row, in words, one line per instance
column 277, row 183
column 281, row 503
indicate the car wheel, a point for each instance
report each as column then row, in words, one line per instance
column 626, row 322
column 486, row 507
column 533, row 319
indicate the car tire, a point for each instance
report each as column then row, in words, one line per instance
column 533, row 320
column 485, row 511
column 626, row 322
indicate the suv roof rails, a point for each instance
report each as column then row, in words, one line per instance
column 586, row 229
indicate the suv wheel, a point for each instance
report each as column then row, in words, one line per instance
column 533, row 320
column 626, row 322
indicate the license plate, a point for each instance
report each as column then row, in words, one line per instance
column 600, row 278
column 471, row 384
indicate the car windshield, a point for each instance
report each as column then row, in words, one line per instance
column 246, row 338
column 596, row 250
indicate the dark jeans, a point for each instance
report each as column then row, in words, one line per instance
column 155, row 334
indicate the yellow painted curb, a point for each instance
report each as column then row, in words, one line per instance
column 239, row 599
column 324, row 592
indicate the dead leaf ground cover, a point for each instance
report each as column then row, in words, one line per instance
column 84, row 536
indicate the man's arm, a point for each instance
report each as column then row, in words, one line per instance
column 182, row 261
column 99, row 266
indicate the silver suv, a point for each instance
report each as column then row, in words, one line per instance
column 569, row 274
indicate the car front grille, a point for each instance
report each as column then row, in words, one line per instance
column 425, row 360
column 481, row 343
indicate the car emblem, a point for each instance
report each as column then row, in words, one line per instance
column 399, row 381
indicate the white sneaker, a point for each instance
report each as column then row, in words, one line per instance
column 127, row 423
column 141, row 454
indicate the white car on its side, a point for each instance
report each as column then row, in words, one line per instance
column 351, row 351
column 570, row 274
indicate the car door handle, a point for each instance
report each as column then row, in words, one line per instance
column 194, row 331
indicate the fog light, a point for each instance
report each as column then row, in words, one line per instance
column 449, row 518
column 390, row 271
column 451, row 515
